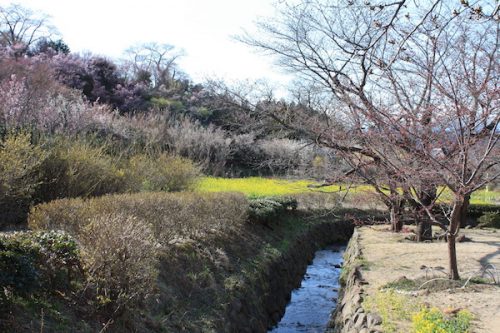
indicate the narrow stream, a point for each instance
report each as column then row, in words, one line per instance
column 311, row 304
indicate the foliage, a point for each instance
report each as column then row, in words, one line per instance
column 19, row 175
column 259, row 187
column 265, row 210
column 391, row 306
column 161, row 173
column 490, row 219
column 396, row 309
column 31, row 260
column 77, row 169
column 477, row 210
column 100, row 80
column 171, row 215
column 120, row 257
column 208, row 146
column 434, row 321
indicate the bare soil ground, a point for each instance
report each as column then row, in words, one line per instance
column 389, row 257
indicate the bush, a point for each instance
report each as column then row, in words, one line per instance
column 31, row 260
column 208, row 146
column 477, row 210
column 171, row 215
column 265, row 210
column 161, row 173
column 20, row 163
column 77, row 169
column 120, row 257
column 490, row 220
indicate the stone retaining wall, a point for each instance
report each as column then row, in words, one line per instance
column 349, row 316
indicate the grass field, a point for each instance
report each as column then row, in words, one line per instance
column 261, row 187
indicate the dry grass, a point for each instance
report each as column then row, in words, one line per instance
column 427, row 261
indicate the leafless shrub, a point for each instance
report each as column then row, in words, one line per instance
column 171, row 215
column 208, row 146
column 120, row 257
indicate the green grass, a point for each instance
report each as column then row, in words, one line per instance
column 262, row 187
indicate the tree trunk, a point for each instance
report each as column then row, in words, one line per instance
column 452, row 253
column 395, row 216
column 453, row 228
column 424, row 229
column 463, row 212
column 427, row 196
column 396, row 203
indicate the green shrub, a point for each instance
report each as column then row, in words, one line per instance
column 477, row 210
column 17, row 267
column 265, row 210
column 171, row 215
column 161, row 173
column 120, row 257
column 19, row 175
column 490, row 220
column 288, row 203
column 30, row 260
column 76, row 169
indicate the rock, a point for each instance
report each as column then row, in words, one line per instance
column 373, row 319
column 360, row 320
column 423, row 292
column 463, row 238
column 348, row 327
column 356, row 298
column 452, row 311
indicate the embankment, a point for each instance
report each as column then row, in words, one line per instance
column 349, row 316
column 215, row 270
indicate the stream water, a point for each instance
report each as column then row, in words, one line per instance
column 311, row 304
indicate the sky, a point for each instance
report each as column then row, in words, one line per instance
column 203, row 29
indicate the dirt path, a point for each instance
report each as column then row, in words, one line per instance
column 389, row 257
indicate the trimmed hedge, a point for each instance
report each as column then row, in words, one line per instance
column 171, row 215
column 477, row 210
column 490, row 220
column 265, row 210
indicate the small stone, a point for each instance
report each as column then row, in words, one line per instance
column 356, row 299
column 373, row 319
column 359, row 320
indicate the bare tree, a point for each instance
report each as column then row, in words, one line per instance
column 415, row 85
column 154, row 64
column 21, row 28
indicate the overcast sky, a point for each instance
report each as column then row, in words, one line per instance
column 202, row 28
